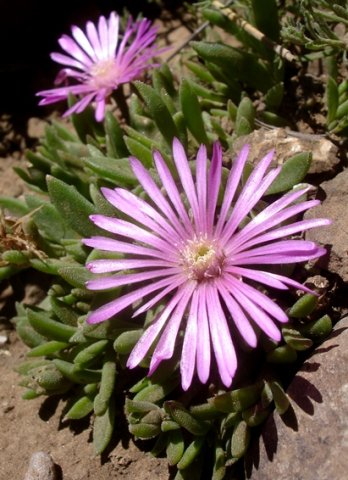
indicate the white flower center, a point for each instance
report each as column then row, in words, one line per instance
column 104, row 74
column 202, row 259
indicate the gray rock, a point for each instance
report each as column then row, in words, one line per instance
column 335, row 236
column 41, row 467
column 310, row 442
column 287, row 144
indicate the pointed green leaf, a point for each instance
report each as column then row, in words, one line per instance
column 192, row 112
column 158, row 111
column 292, row 173
column 73, row 207
column 103, row 429
column 304, row 306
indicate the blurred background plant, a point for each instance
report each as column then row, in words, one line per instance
column 236, row 75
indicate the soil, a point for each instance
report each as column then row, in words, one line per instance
column 36, row 425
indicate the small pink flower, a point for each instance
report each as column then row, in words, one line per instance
column 98, row 62
column 198, row 258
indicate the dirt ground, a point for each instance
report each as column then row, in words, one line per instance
column 35, row 425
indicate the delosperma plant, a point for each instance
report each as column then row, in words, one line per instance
column 175, row 264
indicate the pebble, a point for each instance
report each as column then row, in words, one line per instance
column 41, row 467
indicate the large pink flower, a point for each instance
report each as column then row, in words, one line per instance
column 199, row 257
column 98, row 62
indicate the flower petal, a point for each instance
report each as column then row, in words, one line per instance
column 203, row 356
column 165, row 347
column 150, row 334
column 189, row 348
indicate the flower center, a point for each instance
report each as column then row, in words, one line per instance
column 104, row 74
column 202, row 259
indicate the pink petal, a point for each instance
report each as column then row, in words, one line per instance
column 68, row 44
column 214, row 181
column 189, row 348
column 185, row 175
column 113, row 308
column 116, row 281
column 155, row 194
column 150, row 334
column 83, row 41
column 233, row 181
column 201, row 186
column 257, row 314
column 111, row 245
column 172, row 191
column 221, row 337
column 203, row 338
column 165, row 347
column 105, row 266
column 238, row 316
column 133, row 232
column 259, row 298
column 140, row 211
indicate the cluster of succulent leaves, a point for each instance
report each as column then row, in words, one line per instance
column 204, row 429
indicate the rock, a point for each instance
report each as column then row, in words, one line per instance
column 36, row 127
column 335, row 236
column 41, row 467
column 310, row 442
column 324, row 152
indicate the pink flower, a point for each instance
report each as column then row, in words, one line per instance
column 99, row 63
column 198, row 258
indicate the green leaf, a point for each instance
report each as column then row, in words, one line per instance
column 15, row 206
column 125, row 342
column 75, row 275
column 118, row 170
column 280, row 398
column 266, row 18
column 192, row 112
column 282, row 354
column 331, row 100
column 246, row 110
column 64, row 312
column 140, row 151
column 304, row 306
column 219, row 468
column 175, row 448
column 51, row 379
column 80, row 409
column 51, row 329
column 144, row 430
column 90, row 352
column 274, row 96
column 184, row 418
column 255, row 415
column 84, row 122
column 191, row 453
column 28, row 335
column 237, row 400
column 342, row 110
column 244, row 65
column 107, row 384
column 114, row 135
column 154, row 392
column 296, row 340
column 318, row 329
column 158, row 111
column 103, row 429
column 293, row 172
column 73, row 207
column 47, row 349
column 75, row 373
column 240, row 439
